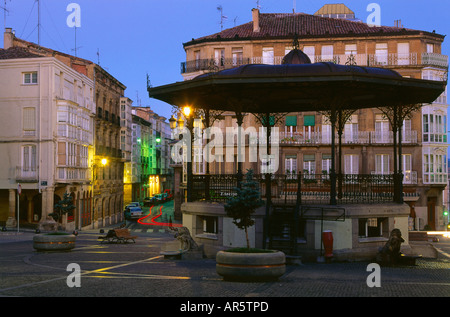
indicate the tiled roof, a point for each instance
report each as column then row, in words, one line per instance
column 16, row 52
column 287, row 25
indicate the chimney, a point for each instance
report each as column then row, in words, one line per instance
column 255, row 17
column 8, row 38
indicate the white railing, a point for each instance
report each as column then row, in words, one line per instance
column 386, row 137
column 70, row 174
column 27, row 174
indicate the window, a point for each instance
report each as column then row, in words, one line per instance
column 30, row 78
column 29, row 158
column 210, row 224
column 310, row 51
column 350, row 49
column 371, row 227
column 382, row 132
column 434, row 127
column 351, row 164
column 351, row 130
column 382, row 164
column 290, row 164
column 434, row 167
column 237, row 54
column 197, row 59
column 219, row 56
column 309, row 164
column 326, row 163
column 267, row 55
column 327, row 53
column 408, row 176
column 29, row 121
column 381, row 54
column 403, row 53
column 430, row 48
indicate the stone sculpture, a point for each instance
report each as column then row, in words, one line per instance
column 184, row 236
column 390, row 253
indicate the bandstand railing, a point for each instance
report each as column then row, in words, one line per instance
column 313, row 188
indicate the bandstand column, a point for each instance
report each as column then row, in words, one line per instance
column 333, row 157
column 268, row 181
column 240, row 120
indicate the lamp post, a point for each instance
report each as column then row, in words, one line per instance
column 187, row 111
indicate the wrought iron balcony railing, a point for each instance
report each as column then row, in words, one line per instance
column 373, row 60
column 312, row 188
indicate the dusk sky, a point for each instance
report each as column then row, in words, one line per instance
column 136, row 37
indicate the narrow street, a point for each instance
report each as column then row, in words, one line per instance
column 156, row 218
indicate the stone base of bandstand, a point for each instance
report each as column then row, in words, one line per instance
column 348, row 242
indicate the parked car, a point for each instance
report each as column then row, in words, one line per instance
column 133, row 204
column 133, row 211
column 147, row 201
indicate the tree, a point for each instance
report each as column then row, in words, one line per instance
column 243, row 205
column 63, row 207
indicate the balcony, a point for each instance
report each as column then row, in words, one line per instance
column 359, row 137
column 27, row 174
column 73, row 175
column 372, row 60
column 387, row 137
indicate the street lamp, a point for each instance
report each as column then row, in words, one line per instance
column 187, row 111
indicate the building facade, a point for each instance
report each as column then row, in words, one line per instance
column 106, row 163
column 47, row 137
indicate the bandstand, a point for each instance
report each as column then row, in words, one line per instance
column 336, row 200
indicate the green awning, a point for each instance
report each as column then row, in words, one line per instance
column 309, row 121
column 309, row 157
column 291, row 121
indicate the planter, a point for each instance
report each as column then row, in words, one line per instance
column 251, row 266
column 54, row 242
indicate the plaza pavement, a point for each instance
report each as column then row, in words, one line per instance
column 138, row 270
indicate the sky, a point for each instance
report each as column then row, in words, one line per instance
column 133, row 38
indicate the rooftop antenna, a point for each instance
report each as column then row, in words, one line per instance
column 295, row 6
column 257, row 5
column 222, row 17
column 76, row 48
column 5, row 10
column 98, row 56
column 39, row 22
column 235, row 19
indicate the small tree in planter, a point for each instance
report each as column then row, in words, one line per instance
column 243, row 205
column 248, row 263
column 63, row 207
column 57, row 241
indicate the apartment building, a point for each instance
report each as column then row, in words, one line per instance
column 47, row 138
column 367, row 138
column 107, row 163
